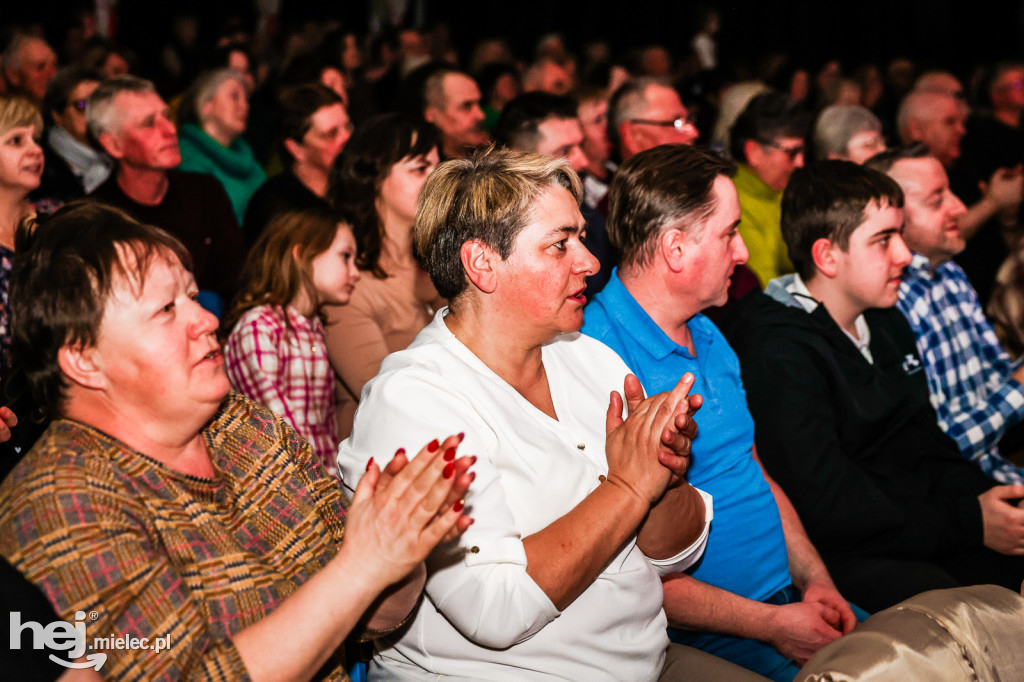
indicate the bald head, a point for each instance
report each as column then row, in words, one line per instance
column 934, row 118
column 940, row 81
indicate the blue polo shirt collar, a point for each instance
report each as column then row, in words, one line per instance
column 621, row 305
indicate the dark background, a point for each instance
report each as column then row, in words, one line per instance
column 946, row 33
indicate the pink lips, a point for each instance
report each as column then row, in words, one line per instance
column 580, row 296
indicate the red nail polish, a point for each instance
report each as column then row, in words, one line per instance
column 472, row 460
column 457, row 507
column 433, row 445
column 461, row 436
column 369, row 464
column 472, row 476
column 449, row 469
column 399, row 451
column 449, row 454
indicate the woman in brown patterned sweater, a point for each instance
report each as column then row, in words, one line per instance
column 170, row 508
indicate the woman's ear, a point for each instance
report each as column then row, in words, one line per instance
column 480, row 262
column 80, row 366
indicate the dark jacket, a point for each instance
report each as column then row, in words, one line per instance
column 855, row 445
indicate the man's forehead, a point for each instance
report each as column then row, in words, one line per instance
column 35, row 49
column 460, row 86
column 661, row 97
column 136, row 105
column 919, row 176
column 557, row 132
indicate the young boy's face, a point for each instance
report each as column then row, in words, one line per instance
column 870, row 268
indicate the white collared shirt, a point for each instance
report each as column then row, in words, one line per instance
column 484, row 617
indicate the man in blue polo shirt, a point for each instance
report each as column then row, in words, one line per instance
column 761, row 597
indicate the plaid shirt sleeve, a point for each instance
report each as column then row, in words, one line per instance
column 253, row 361
column 969, row 373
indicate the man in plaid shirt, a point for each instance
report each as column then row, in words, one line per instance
column 975, row 386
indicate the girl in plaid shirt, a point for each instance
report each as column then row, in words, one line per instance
column 275, row 354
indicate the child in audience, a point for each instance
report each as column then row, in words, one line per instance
column 275, row 353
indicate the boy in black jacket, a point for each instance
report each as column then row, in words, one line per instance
column 840, row 403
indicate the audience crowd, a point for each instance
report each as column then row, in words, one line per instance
column 733, row 354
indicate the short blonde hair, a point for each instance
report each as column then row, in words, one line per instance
column 16, row 111
column 486, row 197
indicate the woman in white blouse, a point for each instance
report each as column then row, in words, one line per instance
column 577, row 511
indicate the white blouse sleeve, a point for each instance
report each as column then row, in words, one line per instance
column 479, row 582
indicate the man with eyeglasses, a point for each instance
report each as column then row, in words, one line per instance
column 132, row 123
column 73, row 168
column 767, row 142
column 647, row 112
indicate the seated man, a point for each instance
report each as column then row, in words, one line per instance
column 548, row 124
column 132, row 124
column 313, row 129
column 975, row 386
column 840, row 403
column 673, row 213
column 767, row 140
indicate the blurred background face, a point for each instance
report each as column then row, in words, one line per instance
column 148, row 138
column 461, row 118
column 864, row 145
column 72, row 117
column 594, row 120
column 561, row 138
column 401, row 188
column 943, row 130
column 228, row 110
column 37, row 67
column 775, row 162
column 21, row 159
column 656, row 124
column 329, row 130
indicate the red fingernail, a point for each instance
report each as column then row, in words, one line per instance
column 461, row 436
column 472, row 460
column 369, row 464
column 457, row 507
column 472, row 476
column 449, row 454
column 399, row 451
column 433, row 445
column 449, row 469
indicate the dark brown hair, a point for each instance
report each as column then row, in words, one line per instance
column 363, row 165
column 62, row 278
column 280, row 264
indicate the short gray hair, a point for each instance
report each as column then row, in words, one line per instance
column 918, row 105
column 837, row 125
column 100, row 114
column 12, row 53
column 202, row 91
column 626, row 102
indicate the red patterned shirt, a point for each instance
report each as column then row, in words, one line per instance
column 287, row 371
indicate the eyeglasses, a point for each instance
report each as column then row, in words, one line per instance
column 791, row 152
column 78, row 104
column 679, row 124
